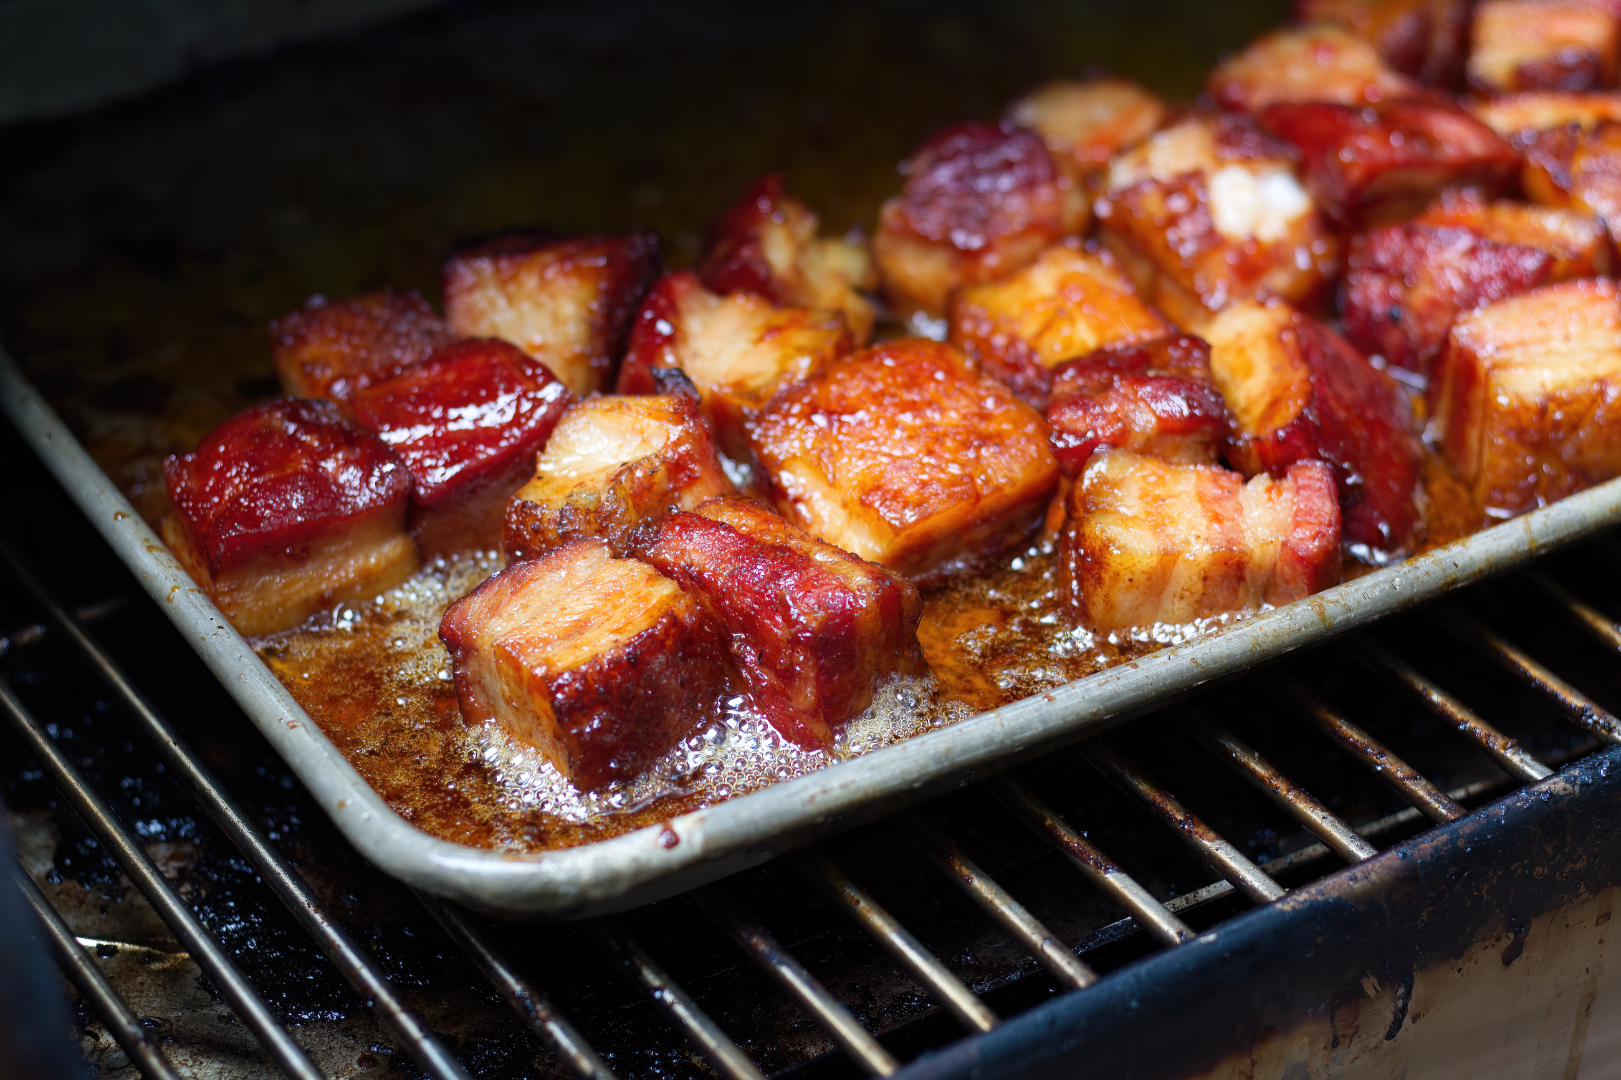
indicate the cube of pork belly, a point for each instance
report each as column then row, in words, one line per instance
column 468, row 422
column 287, row 509
column 600, row 664
column 813, row 629
column 1576, row 242
column 1065, row 304
column 566, row 302
column 1312, row 63
column 611, row 464
column 738, row 350
column 907, row 457
column 330, row 349
column 980, row 201
column 1154, row 398
column 1423, row 38
column 1382, row 163
column 1521, row 117
column 766, row 243
column 1526, row 398
column 1087, row 123
column 1543, row 45
column 1208, row 211
column 1299, row 392
column 1149, row 541
column 1579, row 170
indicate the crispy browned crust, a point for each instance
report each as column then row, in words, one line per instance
column 330, row 349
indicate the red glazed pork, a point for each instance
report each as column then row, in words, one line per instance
column 1084, row 124
column 1578, row 169
column 1422, row 38
column 1543, row 45
column 330, row 349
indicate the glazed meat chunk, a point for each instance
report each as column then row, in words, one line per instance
column 1543, row 45
column 980, row 200
column 766, row 243
column 1578, row 169
column 1149, row 541
column 1377, row 164
column 1067, row 303
column 330, row 349
column 600, row 664
column 738, row 350
column 1299, row 392
column 1422, row 38
column 286, row 510
column 566, row 302
column 467, row 422
column 611, row 464
column 904, row 455
column 1526, row 399
column 1209, row 211
column 1520, row 118
column 1085, row 123
column 813, row 629
column 1155, row 398
column 1322, row 62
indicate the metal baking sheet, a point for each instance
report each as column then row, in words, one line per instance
column 645, row 865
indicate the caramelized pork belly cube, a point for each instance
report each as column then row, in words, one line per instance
column 738, row 350
column 1085, row 123
column 1321, row 62
column 1576, row 242
column 566, row 302
column 1543, row 45
column 1521, row 117
column 1150, row 541
column 904, row 455
column 1209, row 211
column 1383, row 163
column 1422, row 38
column 330, row 349
column 600, row 664
column 1578, row 170
column 1155, row 398
column 813, row 629
column 766, row 243
column 1526, row 398
column 467, row 422
column 611, row 464
column 286, row 510
column 1299, row 392
column 980, row 201
column 1067, row 303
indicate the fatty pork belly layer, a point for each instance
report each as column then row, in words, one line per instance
column 1210, row 211
column 1526, row 398
column 738, row 350
column 1543, row 45
column 611, row 464
column 1426, row 39
column 1066, row 303
column 766, row 243
column 467, row 422
column 907, row 457
column 286, row 510
column 813, row 629
column 1320, row 62
column 329, row 349
column 1300, row 392
column 566, row 302
column 1149, row 541
column 600, row 664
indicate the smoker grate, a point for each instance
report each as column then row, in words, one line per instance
column 852, row 1032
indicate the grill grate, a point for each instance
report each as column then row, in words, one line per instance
column 945, row 846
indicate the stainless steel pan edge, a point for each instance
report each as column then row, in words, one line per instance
column 638, row 867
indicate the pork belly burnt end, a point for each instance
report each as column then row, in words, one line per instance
column 1521, row 117
column 1067, row 303
column 1543, row 45
column 1086, row 123
column 1299, row 392
column 329, row 349
column 1312, row 63
column 978, row 203
column 1148, row 541
column 1155, row 398
column 611, row 464
column 813, row 629
column 766, row 243
column 1578, row 169
column 1383, row 163
column 600, row 664
column 1526, row 398
column 1423, row 38
column 907, row 457
column 1209, row 211
column 286, row 510
column 566, row 302
column 737, row 349
column 467, row 422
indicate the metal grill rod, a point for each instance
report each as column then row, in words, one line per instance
column 355, row 963
column 1590, row 619
column 243, row 998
